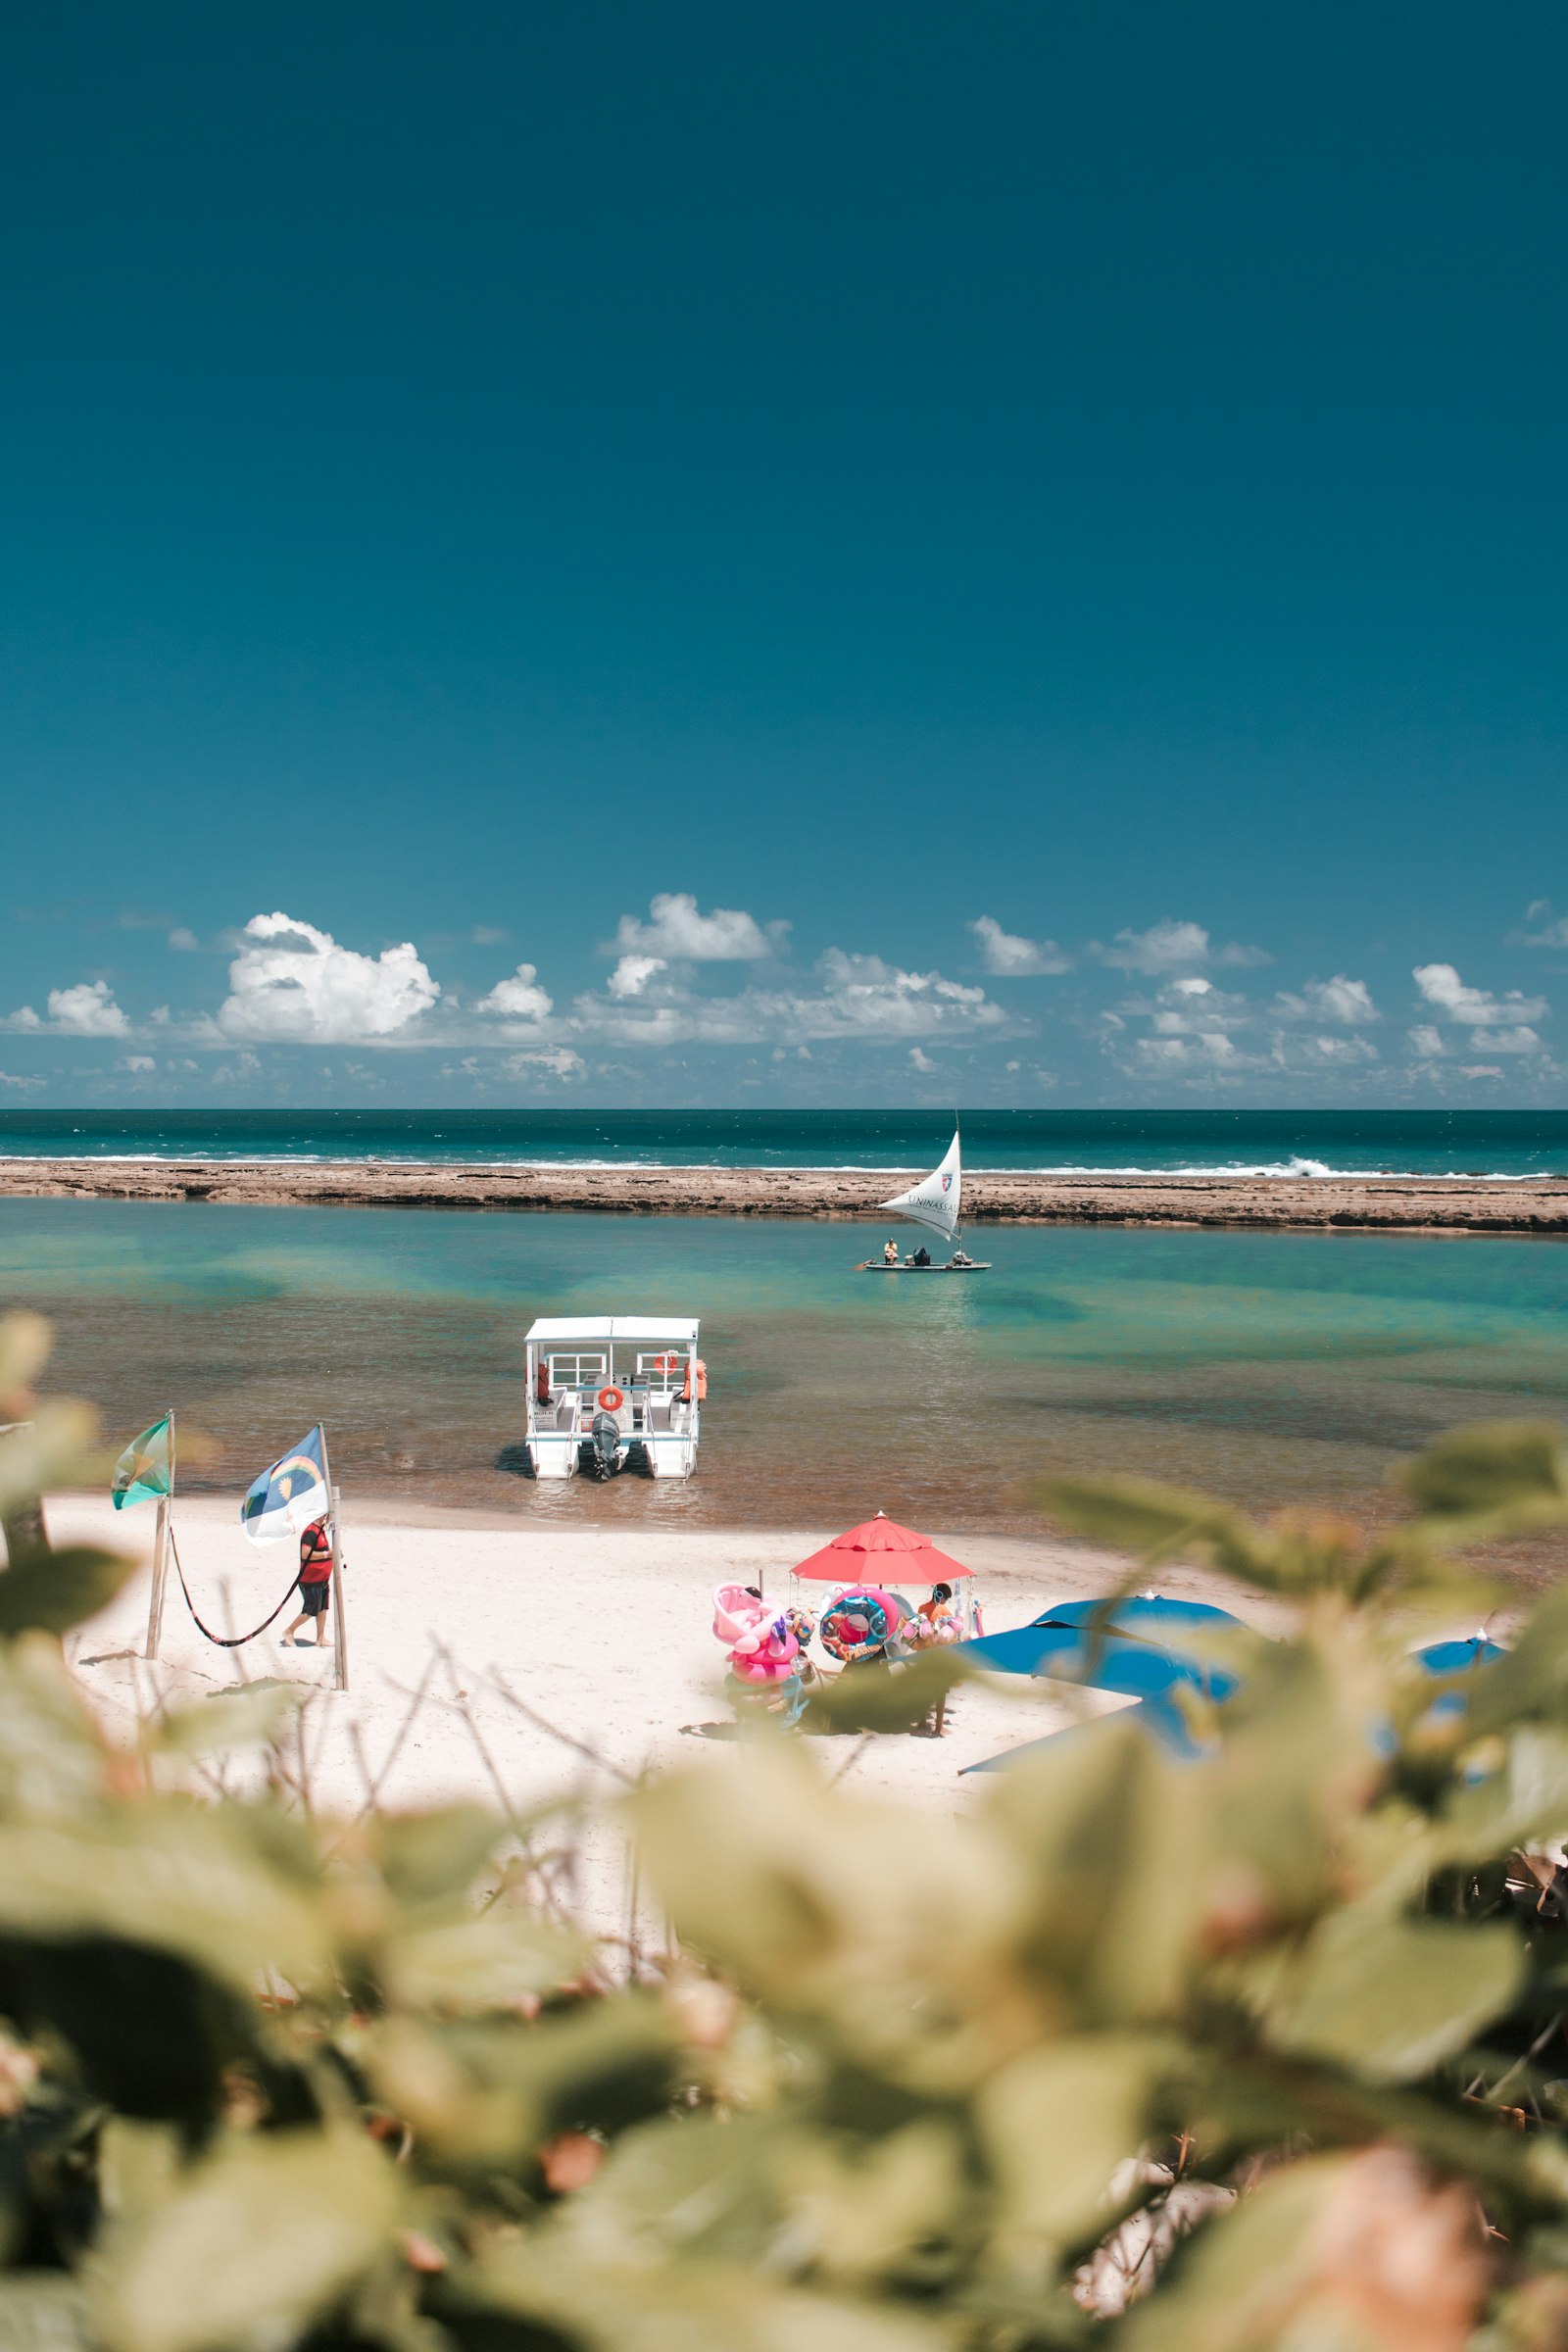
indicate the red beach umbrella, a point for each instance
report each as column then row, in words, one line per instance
column 845, row 1561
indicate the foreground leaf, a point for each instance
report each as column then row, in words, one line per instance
column 268, row 2234
column 1392, row 1997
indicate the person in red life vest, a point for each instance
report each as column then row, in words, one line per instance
column 316, row 1583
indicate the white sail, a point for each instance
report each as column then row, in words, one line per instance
column 934, row 1202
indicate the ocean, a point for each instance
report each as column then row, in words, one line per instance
column 1273, row 1368
column 1419, row 1143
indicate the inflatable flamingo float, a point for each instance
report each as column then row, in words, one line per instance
column 762, row 1651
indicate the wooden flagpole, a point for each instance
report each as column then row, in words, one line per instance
column 155, row 1602
column 340, row 1630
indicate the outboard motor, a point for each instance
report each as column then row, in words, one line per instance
column 603, row 1450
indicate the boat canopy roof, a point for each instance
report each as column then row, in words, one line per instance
column 681, row 1329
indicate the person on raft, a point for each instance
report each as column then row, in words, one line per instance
column 889, row 1254
column 316, row 1583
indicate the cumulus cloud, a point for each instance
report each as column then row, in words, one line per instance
column 88, row 1009
column 1506, row 1019
column 1426, row 1042
column 632, row 974
column 856, row 997
column 1010, row 957
column 679, row 932
column 1480, row 1069
column 1172, row 947
column 520, row 998
column 1550, row 931
column 1344, row 1051
column 138, row 1061
column 1336, row 1000
column 26, row 1086
column 550, row 1062
column 291, row 984
column 182, row 941
column 922, row 1059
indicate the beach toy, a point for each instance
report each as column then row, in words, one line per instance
column 762, row 1647
column 859, row 1623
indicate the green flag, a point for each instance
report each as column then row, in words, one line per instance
column 144, row 1471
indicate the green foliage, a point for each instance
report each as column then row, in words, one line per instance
column 1219, row 2056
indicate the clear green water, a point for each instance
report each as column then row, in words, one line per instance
column 1275, row 1368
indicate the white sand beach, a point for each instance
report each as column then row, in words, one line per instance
column 606, row 1633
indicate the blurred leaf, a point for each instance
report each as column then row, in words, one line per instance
column 1391, row 1997
column 49, row 1591
column 1056, row 2125
column 1154, row 1522
column 1110, row 1828
column 608, row 2306
column 230, row 1719
column 893, row 1929
column 178, row 1877
column 1532, row 1676
column 488, row 1963
column 52, row 1450
column 429, row 1858
column 43, row 2311
column 265, row 2235
column 24, row 1343
column 52, row 1760
column 885, row 1698
column 1490, row 1476
column 712, row 2186
column 489, row 2092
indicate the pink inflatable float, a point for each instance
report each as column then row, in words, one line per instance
column 762, row 1647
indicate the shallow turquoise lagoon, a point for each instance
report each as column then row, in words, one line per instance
column 1273, row 1367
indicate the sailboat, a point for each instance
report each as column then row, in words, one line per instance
column 934, row 1202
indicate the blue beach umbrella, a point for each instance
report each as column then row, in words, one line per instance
column 1458, row 1657
column 1145, row 1648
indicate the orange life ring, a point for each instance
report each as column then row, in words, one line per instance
column 610, row 1400
column 666, row 1364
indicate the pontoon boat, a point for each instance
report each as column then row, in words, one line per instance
column 613, row 1392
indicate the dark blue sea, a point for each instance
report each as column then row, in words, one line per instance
column 1500, row 1144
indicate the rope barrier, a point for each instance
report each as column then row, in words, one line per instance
column 220, row 1640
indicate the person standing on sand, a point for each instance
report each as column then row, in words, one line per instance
column 316, row 1583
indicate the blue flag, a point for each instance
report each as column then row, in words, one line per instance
column 285, row 1499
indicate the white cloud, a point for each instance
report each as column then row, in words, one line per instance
column 922, row 1060
column 1212, row 1050
column 184, row 941
column 138, row 1061
column 1426, row 1041
column 86, row 1011
column 679, row 932
column 1478, row 1009
column 1552, row 930
column 1523, row 1040
column 291, row 984
column 1012, row 957
column 1345, row 1050
column 552, row 1061
column 860, row 997
column 23, row 1084
column 1336, row 1000
column 1172, row 947
column 1480, row 1069
column 520, row 998
column 632, row 974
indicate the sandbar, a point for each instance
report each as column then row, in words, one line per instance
column 1317, row 1203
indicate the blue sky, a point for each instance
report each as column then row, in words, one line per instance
column 861, row 552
